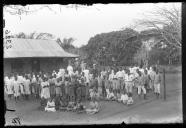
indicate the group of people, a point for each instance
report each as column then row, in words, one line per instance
column 67, row 88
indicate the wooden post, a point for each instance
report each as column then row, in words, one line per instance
column 164, row 85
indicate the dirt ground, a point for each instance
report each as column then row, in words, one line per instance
column 142, row 111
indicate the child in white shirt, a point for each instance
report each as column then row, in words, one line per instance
column 124, row 98
column 50, row 106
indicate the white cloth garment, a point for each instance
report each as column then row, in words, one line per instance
column 27, row 86
column 124, row 98
column 45, row 92
column 119, row 74
column 9, row 86
column 70, row 70
column 50, row 107
column 86, row 72
column 20, row 80
column 16, row 88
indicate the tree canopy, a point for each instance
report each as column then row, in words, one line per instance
column 106, row 48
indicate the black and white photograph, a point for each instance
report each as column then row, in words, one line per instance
column 81, row 64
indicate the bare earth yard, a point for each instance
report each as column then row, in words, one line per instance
column 152, row 110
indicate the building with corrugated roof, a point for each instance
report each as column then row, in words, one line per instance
column 27, row 55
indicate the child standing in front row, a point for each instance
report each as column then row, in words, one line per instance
column 16, row 88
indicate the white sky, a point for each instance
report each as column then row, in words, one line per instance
column 81, row 24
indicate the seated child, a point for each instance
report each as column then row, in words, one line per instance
column 70, row 106
column 80, row 107
column 93, row 108
column 110, row 95
column 130, row 100
column 124, row 98
column 43, row 102
column 63, row 104
column 50, row 106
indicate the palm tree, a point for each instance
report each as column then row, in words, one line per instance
column 34, row 35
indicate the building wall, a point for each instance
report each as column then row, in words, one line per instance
column 27, row 65
column 7, row 67
column 51, row 64
column 46, row 64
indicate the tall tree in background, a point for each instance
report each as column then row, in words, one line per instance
column 112, row 48
column 167, row 23
column 66, row 43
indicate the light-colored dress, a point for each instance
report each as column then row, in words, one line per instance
column 124, row 98
column 16, row 88
column 27, row 86
column 20, row 80
column 45, row 92
column 50, row 106
column 9, row 86
column 110, row 95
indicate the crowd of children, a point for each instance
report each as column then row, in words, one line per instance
column 67, row 88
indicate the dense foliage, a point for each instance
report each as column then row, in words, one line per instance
column 112, row 48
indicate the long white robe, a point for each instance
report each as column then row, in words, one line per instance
column 27, row 86
column 87, row 76
column 9, row 86
column 45, row 92
column 16, row 88
column 20, row 80
column 50, row 107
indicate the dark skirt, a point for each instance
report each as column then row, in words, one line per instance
column 71, row 93
column 52, row 89
column 83, row 91
column 78, row 94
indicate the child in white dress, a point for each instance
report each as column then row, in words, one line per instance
column 50, row 106
column 16, row 88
